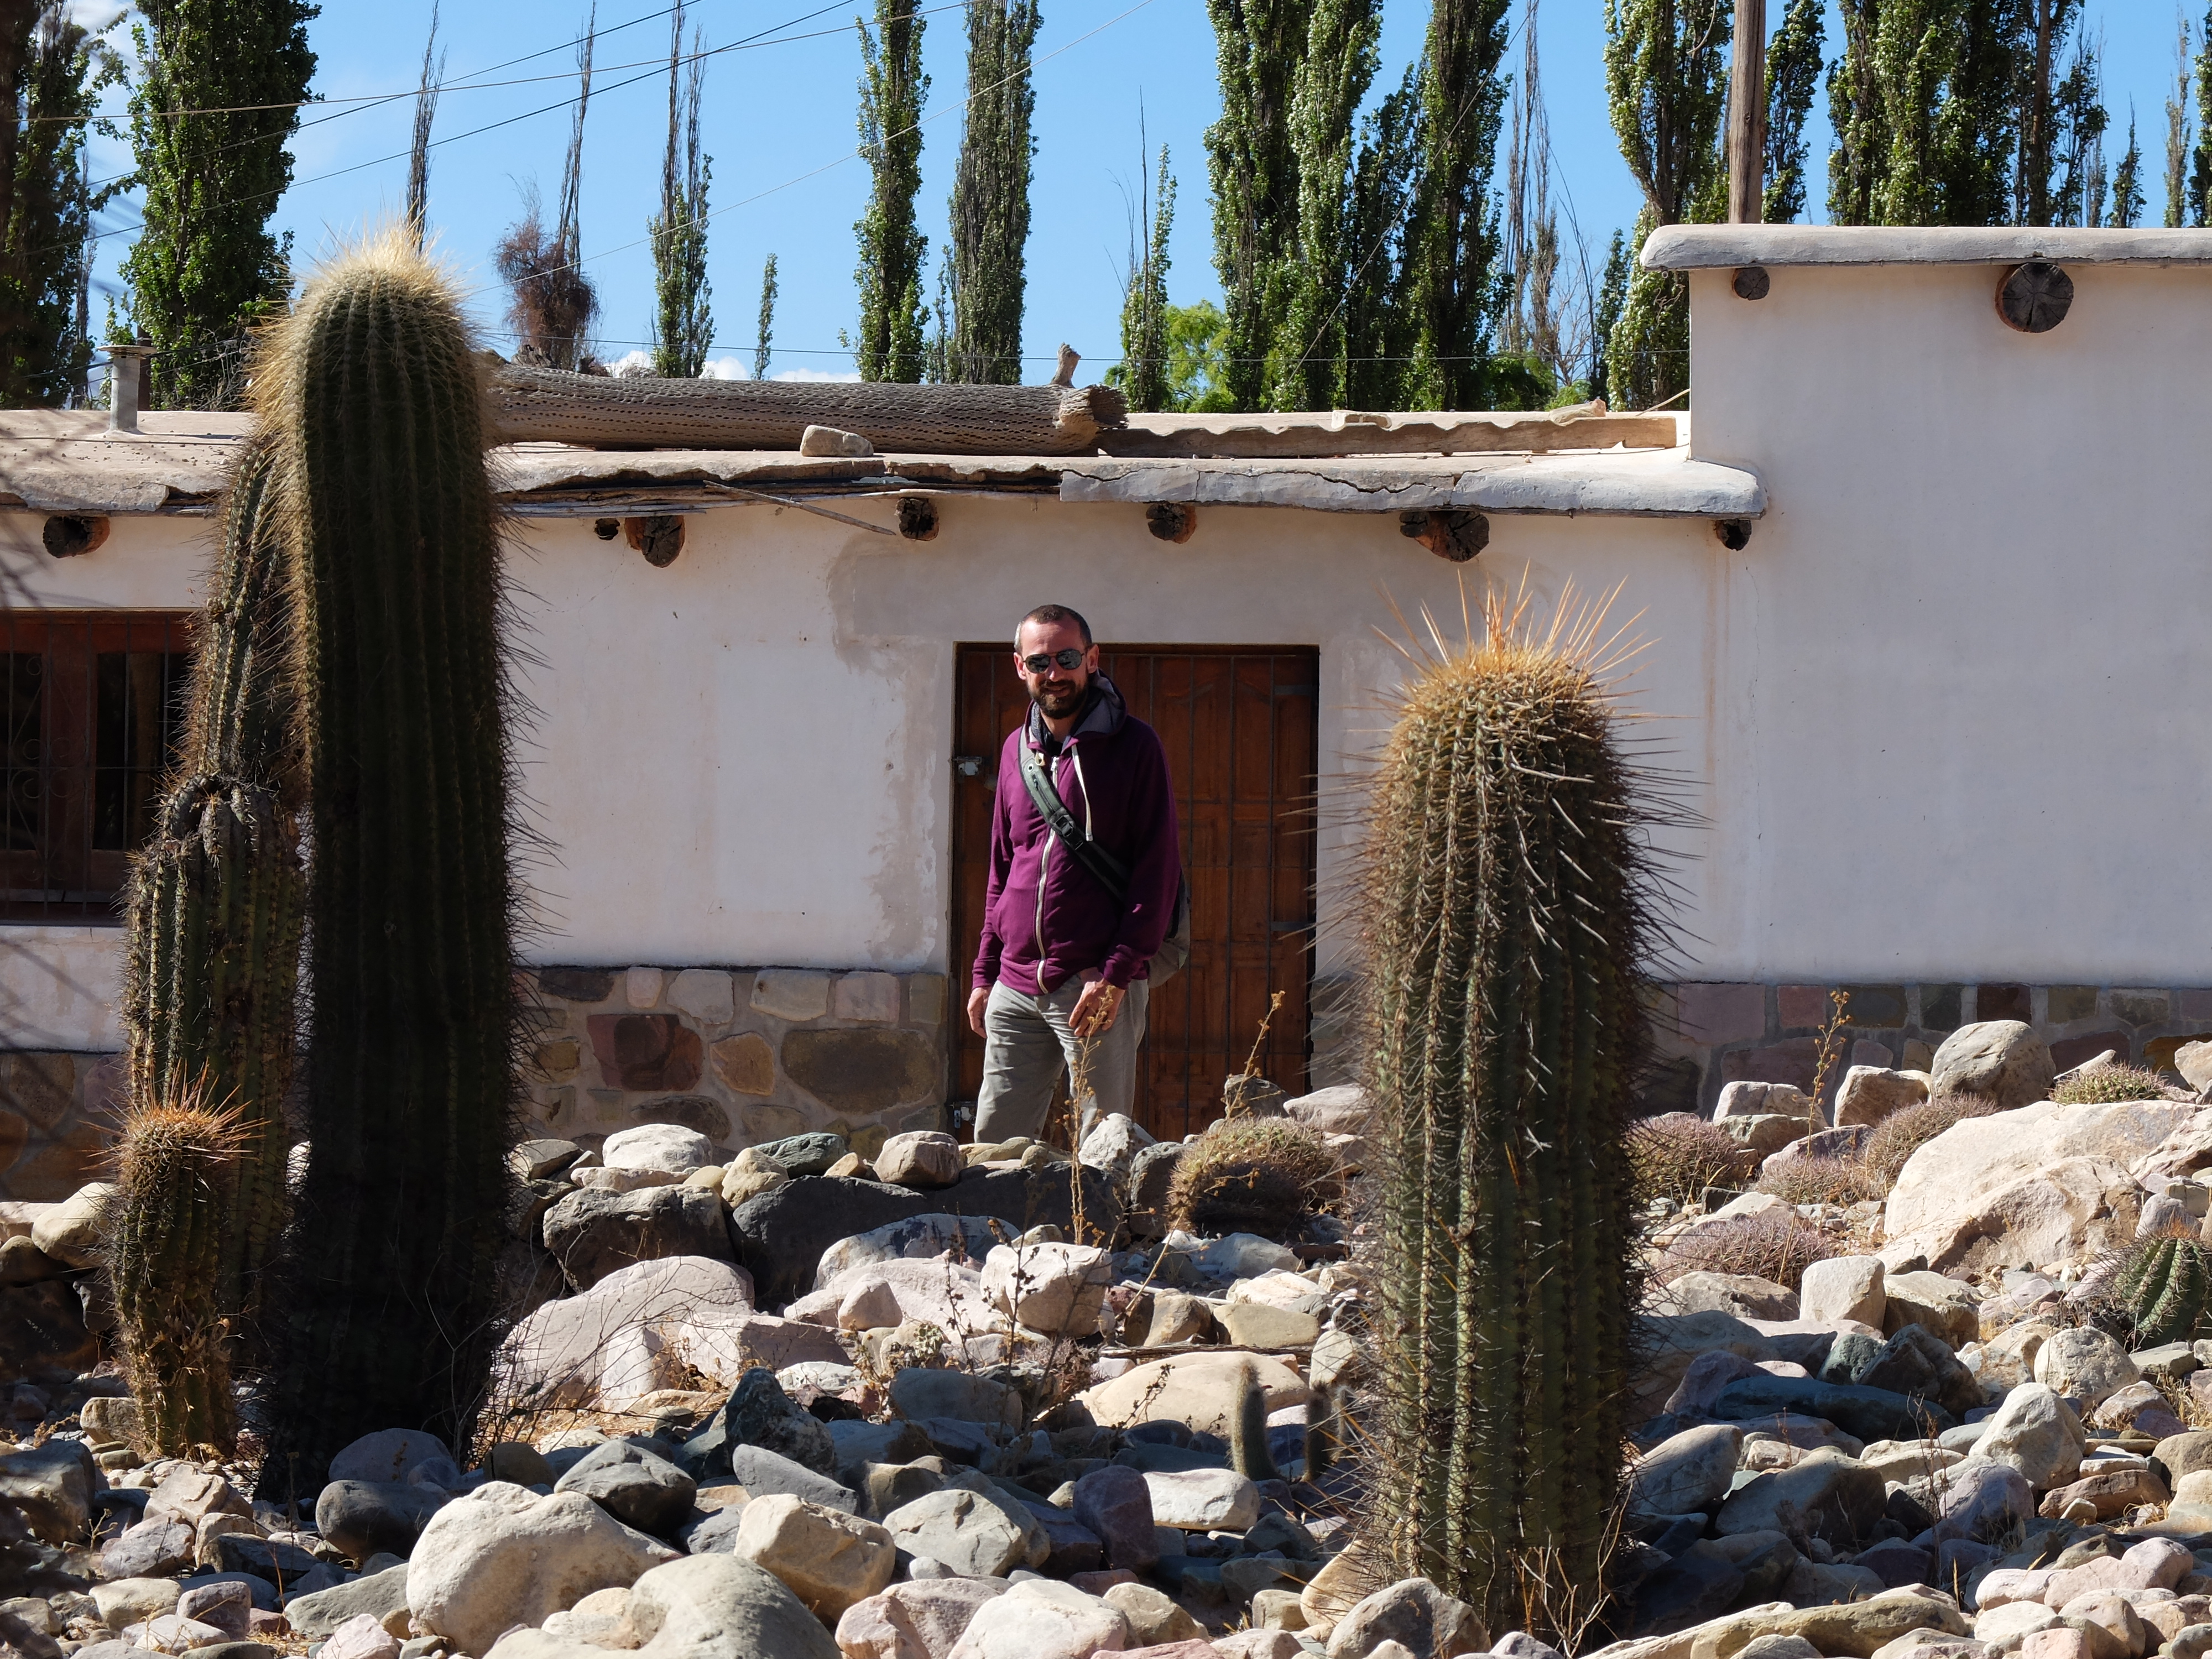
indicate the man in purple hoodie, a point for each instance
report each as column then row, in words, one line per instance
column 1061, row 969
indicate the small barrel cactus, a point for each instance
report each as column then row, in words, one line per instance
column 1507, row 919
column 2164, row 1283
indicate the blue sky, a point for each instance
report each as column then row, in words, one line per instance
column 780, row 125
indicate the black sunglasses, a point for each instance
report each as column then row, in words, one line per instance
column 1071, row 658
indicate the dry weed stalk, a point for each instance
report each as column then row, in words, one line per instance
column 1831, row 1049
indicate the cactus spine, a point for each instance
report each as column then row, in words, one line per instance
column 2164, row 1286
column 1505, row 919
column 369, row 399
column 176, row 1168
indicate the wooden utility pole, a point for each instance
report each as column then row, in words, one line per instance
column 1747, row 115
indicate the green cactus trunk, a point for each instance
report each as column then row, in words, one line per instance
column 210, row 1001
column 368, row 394
column 1505, row 923
column 165, row 1246
column 2166, row 1289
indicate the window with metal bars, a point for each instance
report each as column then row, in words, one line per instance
column 90, row 713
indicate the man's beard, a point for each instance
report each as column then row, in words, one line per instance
column 1059, row 698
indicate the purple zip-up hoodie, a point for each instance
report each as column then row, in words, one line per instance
column 1046, row 917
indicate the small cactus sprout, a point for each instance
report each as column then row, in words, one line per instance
column 2164, row 1284
column 176, row 1174
column 1248, row 1431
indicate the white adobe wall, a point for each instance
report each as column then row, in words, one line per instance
column 1963, row 727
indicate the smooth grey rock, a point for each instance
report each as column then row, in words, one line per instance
column 759, row 1414
column 592, row 1233
column 1687, row 1471
column 1413, row 1613
column 378, row 1594
column 2035, row 1432
column 761, row 1471
column 632, row 1486
column 976, row 1533
column 1999, row 1060
column 1825, row 1496
column 52, row 1486
column 1116, row 1505
column 1863, row 1413
column 1916, row 1362
column 151, row 1549
column 388, row 1456
column 363, row 1517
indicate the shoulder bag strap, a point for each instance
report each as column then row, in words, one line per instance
column 1110, row 872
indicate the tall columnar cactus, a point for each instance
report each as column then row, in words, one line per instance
column 1505, row 919
column 367, row 397
column 176, row 1169
column 210, row 1001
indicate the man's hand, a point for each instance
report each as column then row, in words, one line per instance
column 978, row 1000
column 1097, row 1009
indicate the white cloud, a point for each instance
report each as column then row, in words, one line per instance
column 725, row 368
column 631, row 363
column 815, row 375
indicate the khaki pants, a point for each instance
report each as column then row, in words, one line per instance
column 1026, row 1043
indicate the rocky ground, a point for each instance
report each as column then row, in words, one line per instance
column 980, row 1403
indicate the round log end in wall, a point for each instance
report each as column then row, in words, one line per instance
column 1751, row 282
column 2034, row 297
column 1451, row 533
column 606, row 529
column 917, row 518
column 659, row 538
column 1735, row 534
column 68, row 534
column 1172, row 521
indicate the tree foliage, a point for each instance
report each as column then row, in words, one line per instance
column 1252, row 164
column 2127, row 182
column 205, row 266
column 2177, row 131
column 554, row 304
column 1665, row 67
column 893, row 250
column 990, row 207
column 1144, row 372
column 56, row 72
column 1793, row 71
column 2200, row 157
column 683, row 320
column 765, row 330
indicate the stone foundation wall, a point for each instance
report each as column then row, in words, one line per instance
column 1711, row 1035
column 742, row 1055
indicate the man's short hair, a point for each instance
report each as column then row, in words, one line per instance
column 1049, row 614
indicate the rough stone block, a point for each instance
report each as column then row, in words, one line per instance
column 1802, row 1005
column 40, row 1088
column 1717, row 1014
column 745, row 1064
column 705, row 994
column 641, row 986
column 641, row 1052
column 1873, row 1006
column 2001, row 1002
column 699, row 1112
column 870, row 997
column 1793, row 1062
column 862, row 1072
column 2072, row 1051
column 2067, row 1003
column 925, row 998
column 1940, row 1005
column 585, row 985
column 795, row 994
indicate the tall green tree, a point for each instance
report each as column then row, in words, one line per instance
column 2079, row 119
column 893, row 251
column 56, row 72
column 684, row 318
column 1451, row 276
column 2042, row 120
column 1145, row 308
column 765, row 330
column 1306, row 367
column 1374, row 331
column 1859, row 119
column 1606, row 304
column 1252, row 165
column 2127, row 181
column 990, row 208
column 1978, row 124
column 205, row 266
column 418, row 152
column 1916, row 52
column 1793, row 72
column 2200, row 158
column 2177, row 131
column 1666, row 71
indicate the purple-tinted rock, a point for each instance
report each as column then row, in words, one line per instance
column 1114, row 1504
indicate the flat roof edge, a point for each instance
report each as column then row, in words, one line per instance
column 1705, row 247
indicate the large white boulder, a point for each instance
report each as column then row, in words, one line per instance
column 504, row 1556
column 1043, row 1619
column 669, row 1147
column 2042, row 1184
column 651, row 1326
column 943, row 1292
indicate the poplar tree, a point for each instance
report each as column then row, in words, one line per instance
column 1375, row 317
column 2042, row 138
column 1978, row 124
column 2176, row 132
column 683, row 321
column 766, row 326
column 56, row 72
column 205, row 266
column 1793, row 71
column 893, row 251
column 1666, row 69
column 1306, row 367
column 2200, row 160
column 418, row 152
column 1452, row 243
column 990, row 207
column 1145, row 297
column 1252, row 166
column 2127, row 181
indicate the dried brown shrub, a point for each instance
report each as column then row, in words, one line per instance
column 1900, row 1134
column 1777, row 1245
column 1838, row 1181
column 1678, row 1156
column 1253, row 1175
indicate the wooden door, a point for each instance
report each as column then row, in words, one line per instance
column 1239, row 724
